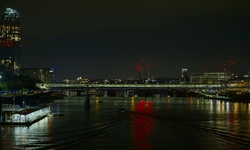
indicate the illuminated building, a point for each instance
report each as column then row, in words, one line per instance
column 10, row 41
column 45, row 75
column 210, row 77
column 184, row 76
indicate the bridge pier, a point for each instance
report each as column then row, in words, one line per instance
column 71, row 93
column 105, row 94
column 116, row 93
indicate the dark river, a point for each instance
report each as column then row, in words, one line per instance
column 147, row 123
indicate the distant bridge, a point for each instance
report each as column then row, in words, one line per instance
column 51, row 86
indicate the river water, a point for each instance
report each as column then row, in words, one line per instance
column 147, row 123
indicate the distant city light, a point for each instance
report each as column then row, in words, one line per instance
column 11, row 11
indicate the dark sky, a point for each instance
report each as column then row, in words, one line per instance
column 109, row 38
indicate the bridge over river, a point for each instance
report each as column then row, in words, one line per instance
column 128, row 89
column 51, row 86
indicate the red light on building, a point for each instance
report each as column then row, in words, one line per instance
column 6, row 43
column 139, row 68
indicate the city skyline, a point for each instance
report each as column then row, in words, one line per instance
column 110, row 39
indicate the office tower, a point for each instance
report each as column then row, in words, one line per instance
column 10, row 41
column 184, row 75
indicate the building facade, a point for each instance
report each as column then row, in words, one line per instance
column 184, row 76
column 210, row 77
column 45, row 75
column 10, row 41
column 239, row 83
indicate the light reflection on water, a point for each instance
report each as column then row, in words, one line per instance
column 147, row 123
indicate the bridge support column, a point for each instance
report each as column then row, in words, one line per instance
column 70, row 93
column 117, row 93
column 105, row 94
column 67, row 92
column 73, row 93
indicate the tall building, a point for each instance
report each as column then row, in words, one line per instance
column 10, row 41
column 45, row 75
column 184, row 76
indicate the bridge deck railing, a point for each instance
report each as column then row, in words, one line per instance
column 62, row 85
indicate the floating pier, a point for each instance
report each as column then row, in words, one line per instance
column 13, row 116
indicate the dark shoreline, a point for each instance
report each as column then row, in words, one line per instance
column 31, row 99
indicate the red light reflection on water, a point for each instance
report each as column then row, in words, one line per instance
column 143, row 124
column 144, row 106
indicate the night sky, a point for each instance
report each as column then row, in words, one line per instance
column 110, row 38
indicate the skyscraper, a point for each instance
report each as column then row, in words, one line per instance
column 184, row 76
column 10, row 41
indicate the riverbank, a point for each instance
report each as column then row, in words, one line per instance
column 31, row 99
